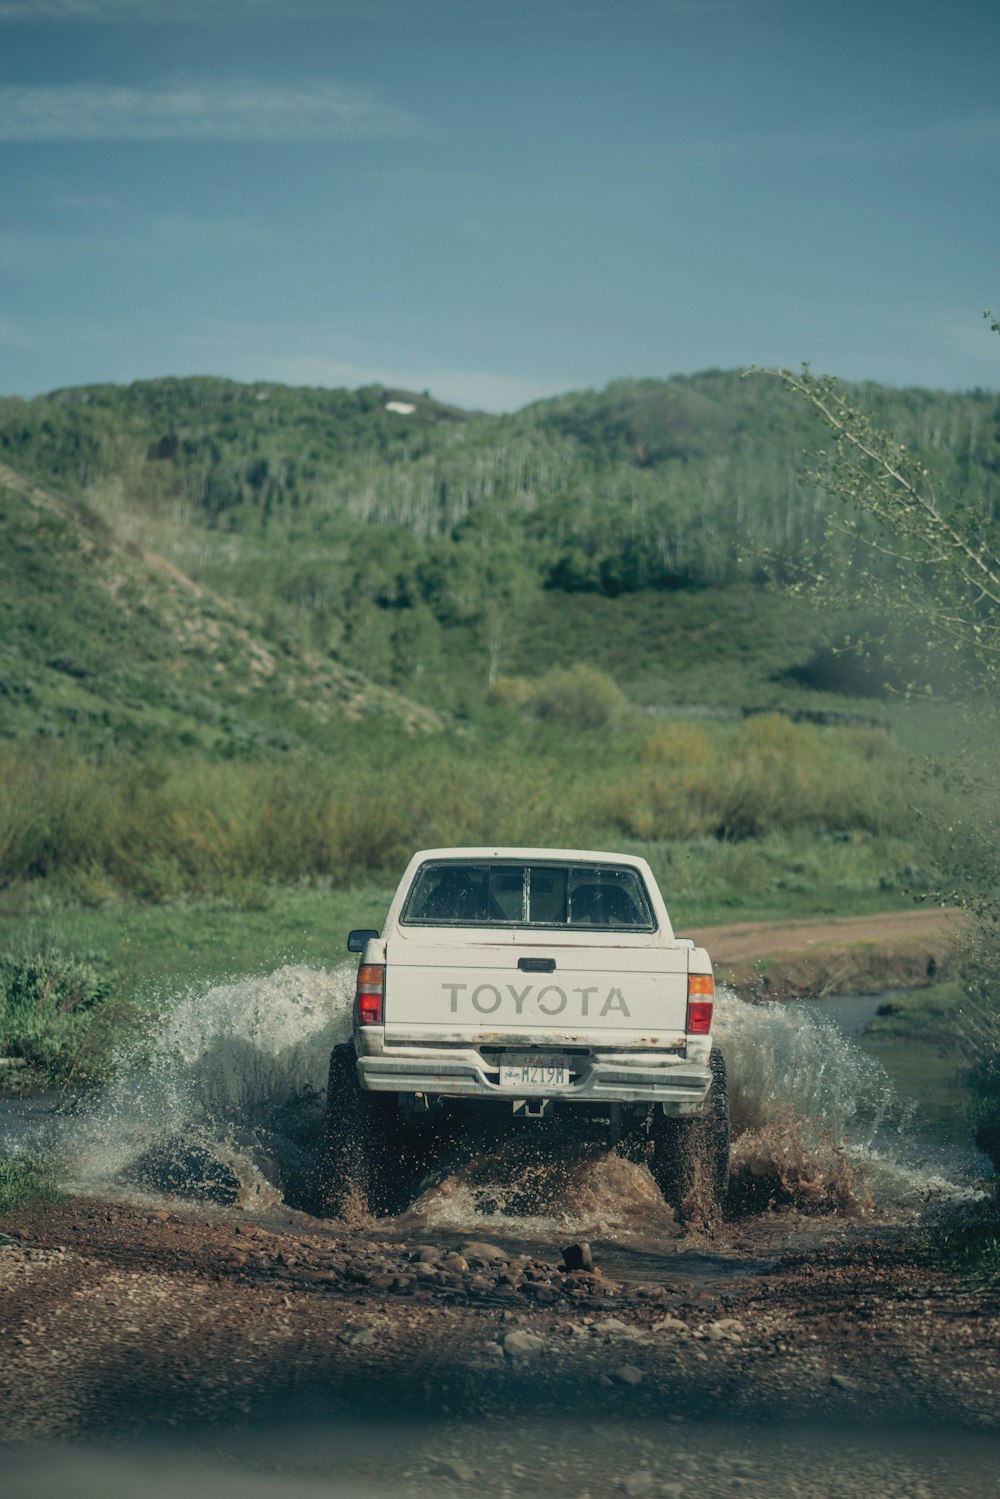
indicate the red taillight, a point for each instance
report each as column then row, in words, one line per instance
column 371, row 989
column 701, row 998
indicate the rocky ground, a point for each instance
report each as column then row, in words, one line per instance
column 365, row 1360
column 175, row 1347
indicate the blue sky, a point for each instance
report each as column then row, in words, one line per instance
column 497, row 199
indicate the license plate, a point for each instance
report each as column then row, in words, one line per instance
column 534, row 1072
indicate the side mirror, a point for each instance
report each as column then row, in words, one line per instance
column 359, row 940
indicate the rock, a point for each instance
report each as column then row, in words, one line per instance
column 726, row 1329
column 523, row 1344
column 488, row 1253
column 627, row 1374
column 578, row 1257
column 640, row 1482
column 364, row 1337
column 455, row 1264
column 425, row 1254
column 670, row 1324
column 614, row 1327
column 542, row 1294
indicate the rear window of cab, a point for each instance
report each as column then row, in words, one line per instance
column 595, row 897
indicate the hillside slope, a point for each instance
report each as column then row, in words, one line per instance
column 106, row 642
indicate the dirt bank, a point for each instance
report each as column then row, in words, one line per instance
column 845, row 955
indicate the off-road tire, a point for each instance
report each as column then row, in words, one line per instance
column 690, row 1161
column 344, row 1167
column 372, row 1155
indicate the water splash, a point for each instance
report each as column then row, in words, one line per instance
column 540, row 1188
column 822, row 1118
column 787, row 1060
column 224, row 1096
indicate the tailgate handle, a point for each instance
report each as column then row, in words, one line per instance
column 537, row 965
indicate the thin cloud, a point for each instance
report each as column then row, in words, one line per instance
column 192, row 111
column 163, row 236
column 480, row 390
column 131, row 12
column 217, row 12
column 92, row 350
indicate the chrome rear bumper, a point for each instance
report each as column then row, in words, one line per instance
column 613, row 1077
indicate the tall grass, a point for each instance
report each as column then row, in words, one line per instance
column 24, row 1180
column 205, row 827
column 762, row 776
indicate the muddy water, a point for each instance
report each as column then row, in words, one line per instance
column 223, row 1103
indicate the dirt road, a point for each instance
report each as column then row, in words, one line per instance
column 846, row 954
column 751, row 941
column 454, row 1366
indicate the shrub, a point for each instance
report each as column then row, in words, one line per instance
column 968, row 1237
column 23, row 1180
column 578, row 697
column 49, row 1003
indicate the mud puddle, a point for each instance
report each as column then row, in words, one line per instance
column 222, row 1107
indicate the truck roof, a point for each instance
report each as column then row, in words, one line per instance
column 583, row 855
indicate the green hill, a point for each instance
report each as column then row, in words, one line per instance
column 431, row 550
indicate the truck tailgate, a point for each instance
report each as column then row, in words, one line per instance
column 570, row 994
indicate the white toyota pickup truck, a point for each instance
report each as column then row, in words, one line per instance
column 531, row 982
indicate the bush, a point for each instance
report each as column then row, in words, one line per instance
column 234, row 830
column 765, row 775
column 579, row 697
column 48, row 1010
column 575, row 697
column 968, row 1238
